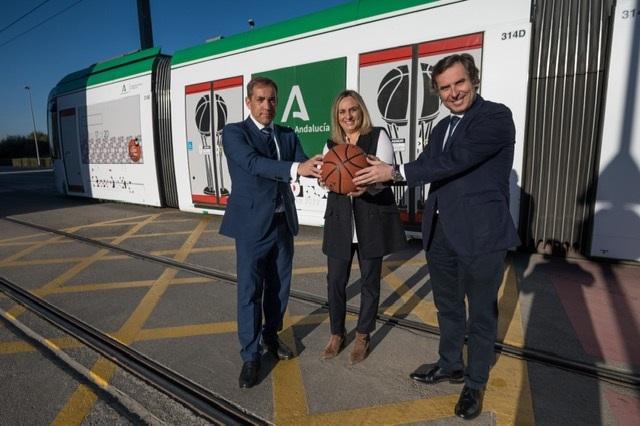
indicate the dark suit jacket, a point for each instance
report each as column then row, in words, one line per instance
column 256, row 179
column 469, row 180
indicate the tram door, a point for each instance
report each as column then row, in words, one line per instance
column 70, row 150
column 210, row 106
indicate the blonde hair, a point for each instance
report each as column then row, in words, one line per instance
column 337, row 134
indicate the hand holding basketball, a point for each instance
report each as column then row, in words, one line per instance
column 311, row 167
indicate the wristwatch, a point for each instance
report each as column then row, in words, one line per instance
column 397, row 176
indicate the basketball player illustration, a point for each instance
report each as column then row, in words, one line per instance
column 212, row 150
column 393, row 103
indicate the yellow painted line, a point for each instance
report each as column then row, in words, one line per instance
column 187, row 331
column 509, row 320
column 32, row 248
column 154, row 234
column 80, row 403
column 196, row 250
column 509, row 391
column 20, row 346
column 60, row 280
column 414, row 304
column 83, row 399
column 289, row 395
column 307, row 243
column 415, row 411
column 15, row 347
column 22, row 237
column 405, row 262
column 354, row 267
column 176, row 332
column 30, row 243
column 148, row 303
column 310, row 270
column 126, row 284
column 38, row 262
column 134, row 221
column 125, row 223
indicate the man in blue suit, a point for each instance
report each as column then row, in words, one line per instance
column 466, row 225
column 261, row 215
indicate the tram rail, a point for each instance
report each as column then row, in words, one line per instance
column 204, row 402
column 605, row 373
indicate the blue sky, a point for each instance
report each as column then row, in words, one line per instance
column 95, row 30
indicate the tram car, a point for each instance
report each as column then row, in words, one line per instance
column 120, row 131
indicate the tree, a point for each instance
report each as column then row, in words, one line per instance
column 16, row 146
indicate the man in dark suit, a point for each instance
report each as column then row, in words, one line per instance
column 466, row 225
column 261, row 215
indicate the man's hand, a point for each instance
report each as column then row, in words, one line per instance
column 378, row 171
column 311, row 167
column 358, row 191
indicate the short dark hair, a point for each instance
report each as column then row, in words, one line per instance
column 448, row 61
column 260, row 81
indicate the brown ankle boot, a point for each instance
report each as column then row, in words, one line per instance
column 360, row 348
column 333, row 347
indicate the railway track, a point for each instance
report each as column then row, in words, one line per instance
column 179, row 387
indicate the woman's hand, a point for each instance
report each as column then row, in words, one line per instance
column 358, row 191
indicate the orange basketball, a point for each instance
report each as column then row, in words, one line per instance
column 339, row 167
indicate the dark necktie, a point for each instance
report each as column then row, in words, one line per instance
column 271, row 143
column 453, row 120
column 273, row 153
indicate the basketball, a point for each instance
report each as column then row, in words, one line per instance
column 203, row 119
column 393, row 96
column 221, row 108
column 339, row 167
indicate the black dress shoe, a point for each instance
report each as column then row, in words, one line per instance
column 437, row 375
column 249, row 374
column 279, row 349
column 469, row 405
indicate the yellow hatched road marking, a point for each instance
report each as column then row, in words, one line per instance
column 398, row 413
column 508, row 379
column 76, row 269
column 22, row 237
column 83, row 399
column 161, row 333
column 30, row 243
column 413, row 304
column 134, row 219
column 32, row 248
column 509, row 391
column 127, row 284
column 128, row 222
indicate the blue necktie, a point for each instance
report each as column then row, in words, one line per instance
column 271, row 143
column 453, row 120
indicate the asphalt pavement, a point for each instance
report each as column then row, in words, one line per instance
column 574, row 319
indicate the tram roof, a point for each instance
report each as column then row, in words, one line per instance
column 109, row 70
column 338, row 15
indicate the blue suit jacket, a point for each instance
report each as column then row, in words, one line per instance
column 256, row 179
column 469, row 180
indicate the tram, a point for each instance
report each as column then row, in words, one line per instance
column 146, row 128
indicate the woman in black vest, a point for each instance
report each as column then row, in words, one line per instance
column 366, row 221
